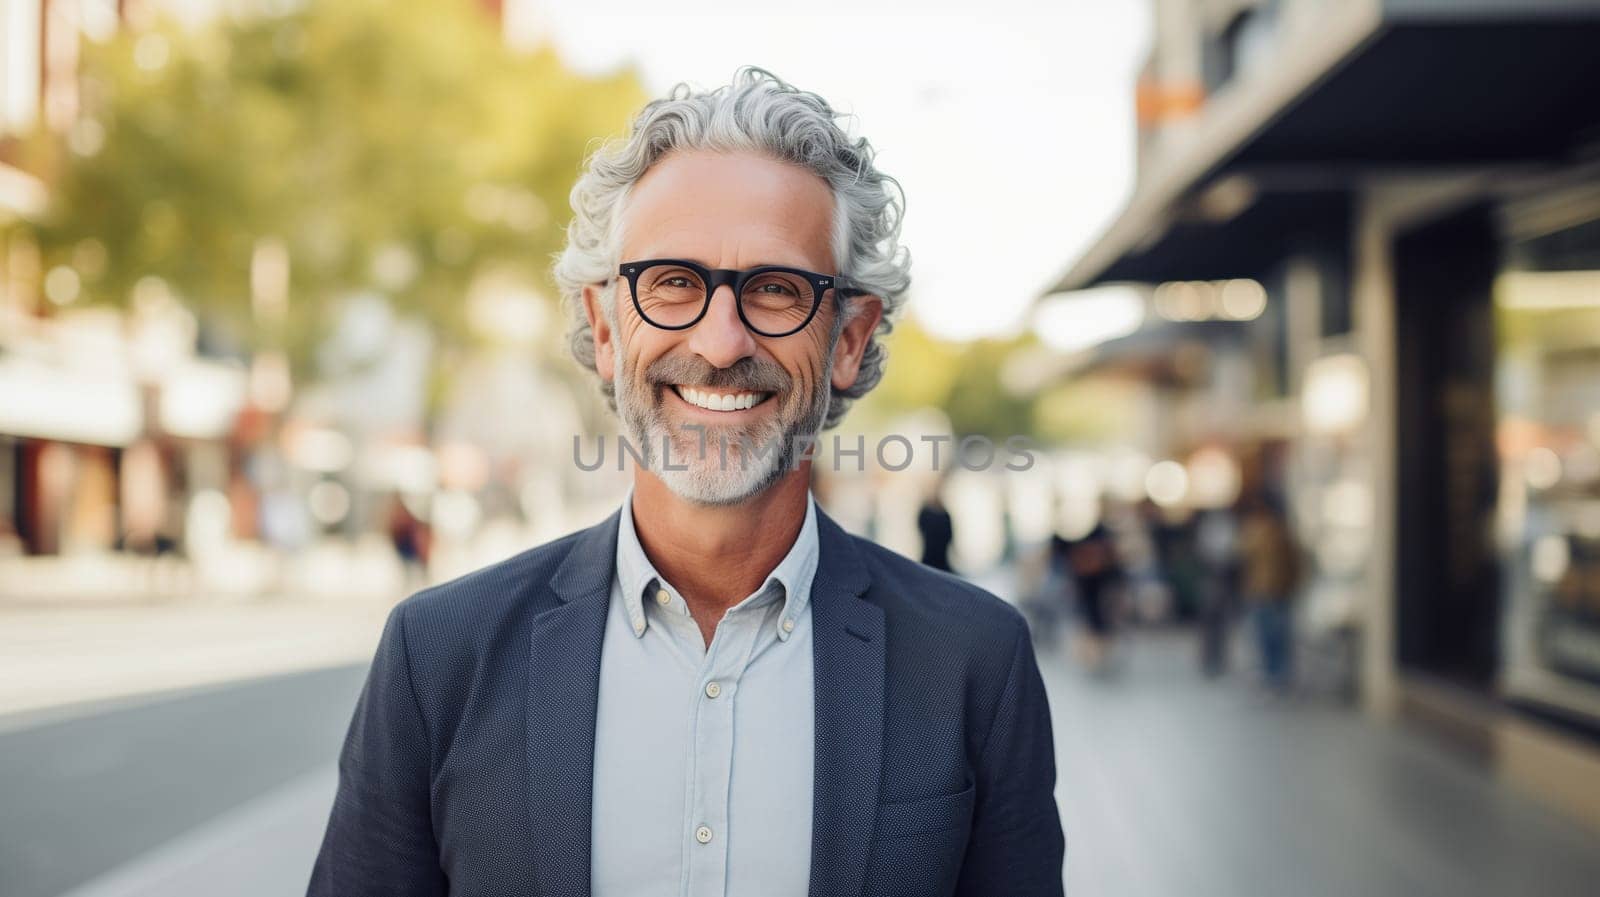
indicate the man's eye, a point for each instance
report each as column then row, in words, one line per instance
column 677, row 282
column 776, row 288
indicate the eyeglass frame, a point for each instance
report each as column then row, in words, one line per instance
column 735, row 278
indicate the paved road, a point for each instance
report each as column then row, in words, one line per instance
column 54, row 655
column 90, row 795
column 1168, row 786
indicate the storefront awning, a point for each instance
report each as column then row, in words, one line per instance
column 1391, row 87
column 45, row 402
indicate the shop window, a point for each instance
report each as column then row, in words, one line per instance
column 1547, row 315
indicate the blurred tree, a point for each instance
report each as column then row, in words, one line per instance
column 401, row 148
column 964, row 380
column 1090, row 410
column 919, row 374
column 980, row 401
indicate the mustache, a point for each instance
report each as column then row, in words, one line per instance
column 747, row 374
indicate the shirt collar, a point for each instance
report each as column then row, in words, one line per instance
column 794, row 573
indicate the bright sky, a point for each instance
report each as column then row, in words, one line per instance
column 1009, row 125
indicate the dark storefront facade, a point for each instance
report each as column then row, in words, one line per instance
column 1418, row 185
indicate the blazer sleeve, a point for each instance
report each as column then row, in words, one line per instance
column 380, row 833
column 1016, row 847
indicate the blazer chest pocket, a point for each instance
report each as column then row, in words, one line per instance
column 926, row 814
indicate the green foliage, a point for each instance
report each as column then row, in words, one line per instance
column 967, row 381
column 980, row 403
column 1092, row 410
column 919, row 374
column 964, row 380
column 397, row 147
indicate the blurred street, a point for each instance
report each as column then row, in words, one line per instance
column 1251, row 346
column 1168, row 784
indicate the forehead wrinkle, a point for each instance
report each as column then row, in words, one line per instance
column 780, row 223
column 748, row 246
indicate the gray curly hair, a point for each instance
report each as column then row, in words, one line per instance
column 759, row 113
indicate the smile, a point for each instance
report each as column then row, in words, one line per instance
column 720, row 401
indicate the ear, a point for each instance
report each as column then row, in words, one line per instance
column 605, row 354
column 865, row 313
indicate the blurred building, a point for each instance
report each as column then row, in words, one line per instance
column 145, row 426
column 48, row 448
column 109, row 419
column 1415, row 187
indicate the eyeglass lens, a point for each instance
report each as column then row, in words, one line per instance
column 774, row 302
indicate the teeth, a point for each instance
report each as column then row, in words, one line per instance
column 715, row 402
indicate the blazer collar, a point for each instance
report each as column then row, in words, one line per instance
column 587, row 570
column 563, row 692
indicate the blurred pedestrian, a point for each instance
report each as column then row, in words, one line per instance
column 1270, row 572
column 1090, row 564
column 1217, row 548
column 1047, row 594
column 938, row 531
column 409, row 536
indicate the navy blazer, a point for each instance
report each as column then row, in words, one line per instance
column 469, row 763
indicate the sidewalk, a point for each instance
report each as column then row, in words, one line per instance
column 1171, row 784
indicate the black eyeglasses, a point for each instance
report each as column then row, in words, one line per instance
column 674, row 294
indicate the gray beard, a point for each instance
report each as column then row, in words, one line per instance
column 723, row 473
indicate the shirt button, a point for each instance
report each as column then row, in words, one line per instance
column 713, row 689
column 703, row 835
column 788, row 625
column 662, row 598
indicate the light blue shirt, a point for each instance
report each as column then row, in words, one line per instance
column 703, row 756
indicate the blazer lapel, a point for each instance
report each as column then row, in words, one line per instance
column 848, row 650
column 563, row 690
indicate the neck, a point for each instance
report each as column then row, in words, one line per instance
column 716, row 555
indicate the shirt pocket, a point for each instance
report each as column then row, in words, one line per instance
column 926, row 814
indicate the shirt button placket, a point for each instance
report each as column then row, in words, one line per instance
column 708, row 858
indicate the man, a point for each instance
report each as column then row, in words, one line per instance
column 715, row 691
column 938, row 531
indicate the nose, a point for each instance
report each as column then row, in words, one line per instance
column 720, row 337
